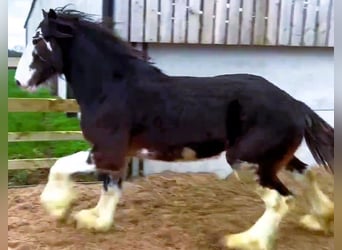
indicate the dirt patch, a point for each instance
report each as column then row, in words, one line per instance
column 169, row 211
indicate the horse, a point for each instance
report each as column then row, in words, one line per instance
column 130, row 108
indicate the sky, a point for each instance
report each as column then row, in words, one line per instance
column 17, row 13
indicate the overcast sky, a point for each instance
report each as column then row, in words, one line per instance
column 17, row 13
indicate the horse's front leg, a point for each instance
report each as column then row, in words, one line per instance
column 101, row 217
column 109, row 156
column 58, row 193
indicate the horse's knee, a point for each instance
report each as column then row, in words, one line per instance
column 74, row 163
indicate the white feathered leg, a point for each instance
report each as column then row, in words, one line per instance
column 262, row 235
column 101, row 217
column 59, row 193
column 321, row 215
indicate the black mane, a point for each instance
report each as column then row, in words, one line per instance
column 102, row 25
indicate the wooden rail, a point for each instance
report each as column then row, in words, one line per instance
column 44, row 136
column 31, row 163
column 47, row 105
column 40, row 105
column 12, row 62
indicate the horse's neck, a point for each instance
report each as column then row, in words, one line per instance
column 92, row 74
column 85, row 74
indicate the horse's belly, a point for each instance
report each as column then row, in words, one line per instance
column 174, row 146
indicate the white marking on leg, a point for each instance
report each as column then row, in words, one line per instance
column 314, row 192
column 24, row 73
column 101, row 217
column 74, row 163
column 321, row 216
column 58, row 193
column 262, row 235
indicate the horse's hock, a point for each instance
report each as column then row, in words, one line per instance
column 164, row 211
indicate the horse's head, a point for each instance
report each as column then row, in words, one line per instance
column 42, row 58
column 65, row 34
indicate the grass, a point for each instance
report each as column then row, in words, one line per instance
column 38, row 121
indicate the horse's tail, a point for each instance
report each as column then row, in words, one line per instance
column 319, row 137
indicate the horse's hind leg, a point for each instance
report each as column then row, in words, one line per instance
column 277, row 198
column 101, row 217
column 262, row 235
column 321, row 215
column 58, row 193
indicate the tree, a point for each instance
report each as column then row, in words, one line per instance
column 13, row 53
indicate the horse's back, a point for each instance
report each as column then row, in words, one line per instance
column 252, row 91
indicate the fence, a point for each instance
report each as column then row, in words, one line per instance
column 12, row 62
column 40, row 105
column 46, row 105
column 233, row 22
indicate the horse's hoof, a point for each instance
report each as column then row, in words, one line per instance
column 245, row 241
column 89, row 219
column 317, row 224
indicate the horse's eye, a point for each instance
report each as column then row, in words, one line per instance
column 34, row 41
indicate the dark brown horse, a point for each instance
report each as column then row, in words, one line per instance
column 130, row 108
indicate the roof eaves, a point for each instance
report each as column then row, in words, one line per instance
column 30, row 12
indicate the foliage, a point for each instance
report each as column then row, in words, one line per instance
column 13, row 53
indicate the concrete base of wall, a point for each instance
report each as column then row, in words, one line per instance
column 217, row 166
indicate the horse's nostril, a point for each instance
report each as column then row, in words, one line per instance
column 17, row 82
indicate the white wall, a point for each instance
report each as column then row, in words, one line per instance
column 307, row 74
column 87, row 6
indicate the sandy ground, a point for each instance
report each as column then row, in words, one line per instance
column 168, row 211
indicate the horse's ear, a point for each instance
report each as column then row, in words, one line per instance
column 52, row 14
column 44, row 13
column 57, row 28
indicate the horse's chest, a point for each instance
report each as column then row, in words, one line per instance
column 101, row 125
column 98, row 133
